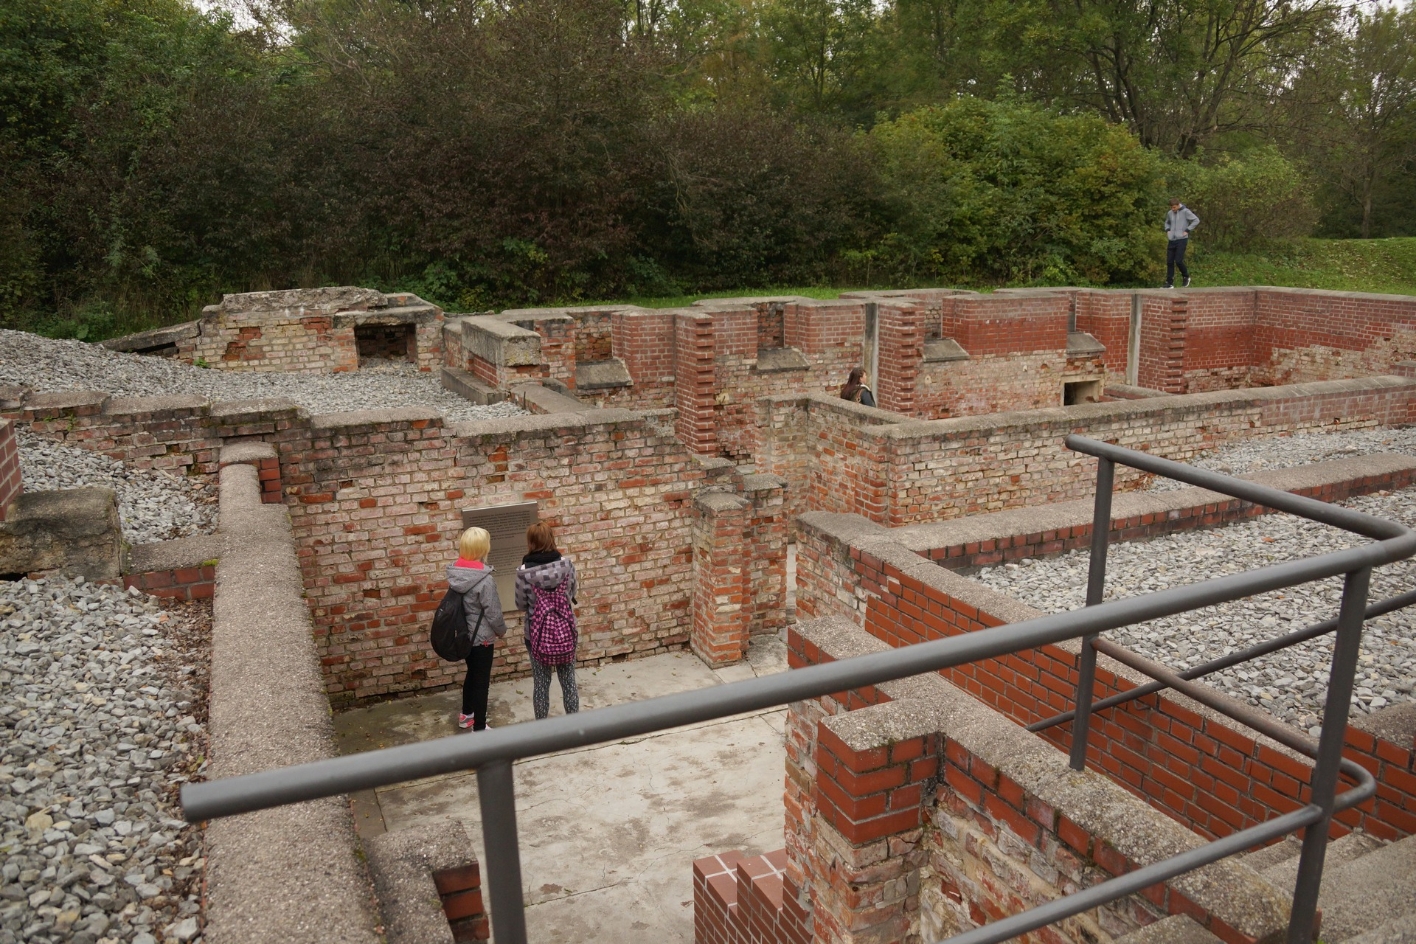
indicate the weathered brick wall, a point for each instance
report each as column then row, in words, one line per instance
column 1219, row 340
column 902, row 473
column 308, row 329
column 10, row 484
column 644, row 340
column 1309, row 335
column 914, row 813
column 1161, row 362
column 694, row 383
column 1106, row 316
column 376, row 503
column 901, row 357
column 1185, row 760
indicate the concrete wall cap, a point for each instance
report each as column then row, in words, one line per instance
column 230, row 409
column 719, row 502
column 129, row 406
column 402, row 864
column 353, row 418
column 248, row 452
column 65, row 399
column 178, row 553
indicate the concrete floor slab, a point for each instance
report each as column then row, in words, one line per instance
column 608, row 833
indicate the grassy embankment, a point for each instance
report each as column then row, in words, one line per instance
column 1347, row 265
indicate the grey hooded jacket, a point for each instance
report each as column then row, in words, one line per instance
column 1179, row 223
column 479, row 595
column 544, row 577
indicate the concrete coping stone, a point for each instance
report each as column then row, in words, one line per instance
column 156, row 337
column 291, row 873
column 538, row 424
column 717, row 503
column 944, row 351
column 176, row 554
column 1082, row 344
column 602, row 375
column 562, row 313
column 763, row 482
column 776, row 360
column 468, row 387
column 402, row 864
column 1228, row 889
column 1067, row 515
column 75, row 531
column 750, row 301
column 12, row 397
column 332, row 299
column 174, row 403
column 1176, row 929
column 233, row 409
column 1132, row 392
column 403, row 314
column 545, row 400
column 498, row 326
column 398, row 414
column 1395, row 723
column 65, row 399
column 247, row 452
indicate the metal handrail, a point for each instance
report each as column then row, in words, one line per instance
column 492, row 752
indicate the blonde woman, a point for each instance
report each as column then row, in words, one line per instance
column 471, row 576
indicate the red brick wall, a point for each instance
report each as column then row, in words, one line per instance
column 644, row 340
column 1219, row 340
column 1007, row 324
column 1106, row 316
column 695, row 383
column 898, row 474
column 10, row 484
column 740, row 899
column 460, row 891
column 1162, row 349
column 375, row 529
column 901, row 355
column 1201, row 769
column 184, row 583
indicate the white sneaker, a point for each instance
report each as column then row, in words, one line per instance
column 1187, row 282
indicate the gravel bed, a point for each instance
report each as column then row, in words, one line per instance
column 103, row 717
column 1291, row 683
column 1285, row 452
column 48, row 365
column 153, row 505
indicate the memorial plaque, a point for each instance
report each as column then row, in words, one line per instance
column 507, row 525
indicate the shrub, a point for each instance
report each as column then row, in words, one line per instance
column 1245, row 202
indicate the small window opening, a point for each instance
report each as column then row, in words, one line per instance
column 397, row 342
column 1081, row 391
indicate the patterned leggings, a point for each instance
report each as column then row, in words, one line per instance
column 541, row 687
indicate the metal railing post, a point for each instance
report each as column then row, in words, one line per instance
column 1096, row 586
column 497, row 795
column 1346, row 647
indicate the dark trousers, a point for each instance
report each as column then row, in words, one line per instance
column 474, row 687
column 1175, row 259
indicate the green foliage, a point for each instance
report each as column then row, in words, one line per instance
column 1247, row 202
column 1008, row 192
column 1344, row 265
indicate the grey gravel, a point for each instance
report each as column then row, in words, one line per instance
column 99, row 724
column 49, row 365
column 153, row 505
column 1291, row 683
column 1285, row 452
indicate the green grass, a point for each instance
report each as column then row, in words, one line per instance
column 683, row 301
column 1344, row 265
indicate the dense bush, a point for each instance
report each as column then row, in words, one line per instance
column 1247, row 202
column 1006, row 191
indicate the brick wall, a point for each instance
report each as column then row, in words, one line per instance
column 1106, row 316
column 901, row 355
column 182, row 583
column 902, row 473
column 1187, row 761
column 1161, row 364
column 10, row 484
column 694, row 383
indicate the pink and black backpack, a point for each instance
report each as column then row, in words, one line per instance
column 552, row 632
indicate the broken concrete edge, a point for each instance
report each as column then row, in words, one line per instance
column 500, row 342
column 610, row 374
column 154, row 338
column 245, row 453
column 404, row 864
column 1065, row 516
column 291, row 873
column 944, row 351
column 73, row 532
column 1394, row 723
column 193, row 551
column 468, row 387
column 927, row 704
column 542, row 400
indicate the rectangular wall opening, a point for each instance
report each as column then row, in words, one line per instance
column 395, row 342
column 1081, row 391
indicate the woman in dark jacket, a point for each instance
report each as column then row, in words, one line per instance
column 855, row 388
column 544, row 570
column 471, row 576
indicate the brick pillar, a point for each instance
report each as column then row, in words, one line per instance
column 694, row 384
column 1176, row 327
column 10, row 484
column 901, row 354
column 721, row 608
column 766, row 551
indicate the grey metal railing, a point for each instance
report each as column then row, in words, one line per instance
column 493, row 752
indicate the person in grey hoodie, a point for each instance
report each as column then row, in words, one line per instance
column 1178, row 224
column 472, row 577
column 544, row 570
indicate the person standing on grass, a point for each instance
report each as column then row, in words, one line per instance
column 1178, row 224
column 471, row 576
column 545, row 590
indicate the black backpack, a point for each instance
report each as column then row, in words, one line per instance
column 450, row 637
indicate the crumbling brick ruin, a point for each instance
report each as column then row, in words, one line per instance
column 678, row 452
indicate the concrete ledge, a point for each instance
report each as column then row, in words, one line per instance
column 175, row 554
column 156, row 338
column 776, row 360
column 500, row 342
column 325, row 300
column 1395, row 723
column 76, row 532
column 404, row 865
column 542, row 400
column 404, row 314
column 247, row 453
column 1081, row 344
column 602, row 375
column 1129, row 392
column 944, row 351
column 1176, row 929
column 469, row 388
column 289, row 874
column 923, row 705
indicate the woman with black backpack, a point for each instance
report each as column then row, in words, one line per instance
column 472, row 577
column 545, row 590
